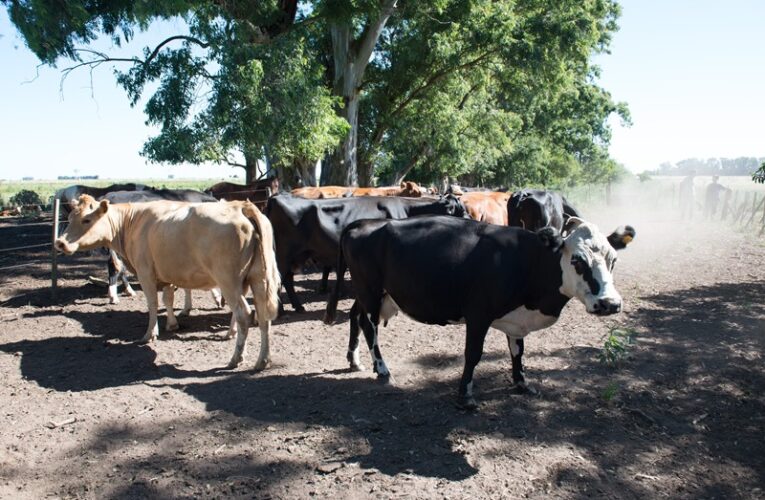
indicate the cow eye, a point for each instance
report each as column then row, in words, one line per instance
column 86, row 221
column 579, row 264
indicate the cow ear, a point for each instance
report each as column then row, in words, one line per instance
column 571, row 224
column 550, row 238
column 104, row 206
column 620, row 238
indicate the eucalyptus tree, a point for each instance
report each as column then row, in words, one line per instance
column 238, row 83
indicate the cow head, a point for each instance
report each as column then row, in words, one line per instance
column 410, row 189
column 88, row 227
column 453, row 206
column 587, row 263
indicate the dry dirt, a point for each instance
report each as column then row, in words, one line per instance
column 88, row 413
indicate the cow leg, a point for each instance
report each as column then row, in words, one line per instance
column 186, row 303
column 474, row 339
column 353, row 341
column 168, row 298
column 264, row 324
column 149, row 287
column 516, row 355
column 217, row 298
column 289, row 286
column 240, row 311
column 114, row 273
column 323, row 287
column 128, row 289
column 370, row 326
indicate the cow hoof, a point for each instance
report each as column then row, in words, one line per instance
column 234, row 363
column 184, row 312
column 357, row 367
column 145, row 340
column 131, row 293
column 386, row 379
column 300, row 309
column 229, row 335
column 262, row 365
column 171, row 327
column 467, row 403
column 522, row 388
column 329, row 319
column 114, row 300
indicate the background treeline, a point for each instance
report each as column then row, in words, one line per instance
column 744, row 165
column 490, row 92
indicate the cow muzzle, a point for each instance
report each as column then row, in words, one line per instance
column 63, row 247
column 607, row 306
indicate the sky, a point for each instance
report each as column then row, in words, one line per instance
column 691, row 72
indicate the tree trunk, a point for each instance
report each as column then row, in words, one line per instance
column 350, row 59
column 306, row 169
column 251, row 167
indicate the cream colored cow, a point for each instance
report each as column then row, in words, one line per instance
column 228, row 245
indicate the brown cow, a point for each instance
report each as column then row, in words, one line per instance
column 322, row 192
column 257, row 192
column 408, row 189
column 487, row 206
column 191, row 245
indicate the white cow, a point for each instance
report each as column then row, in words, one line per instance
column 191, row 245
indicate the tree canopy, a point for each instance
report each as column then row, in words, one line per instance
column 492, row 92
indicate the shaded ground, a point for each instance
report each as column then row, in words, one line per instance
column 682, row 418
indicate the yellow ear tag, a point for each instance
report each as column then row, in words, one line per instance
column 626, row 239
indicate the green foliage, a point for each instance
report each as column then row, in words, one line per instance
column 616, row 346
column 644, row 176
column 490, row 92
column 610, row 393
column 759, row 175
column 26, row 197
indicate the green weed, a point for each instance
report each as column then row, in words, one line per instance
column 617, row 346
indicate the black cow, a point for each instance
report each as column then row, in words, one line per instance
column 534, row 209
column 441, row 270
column 115, row 265
column 310, row 229
column 71, row 193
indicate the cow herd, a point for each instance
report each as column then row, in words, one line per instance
column 440, row 259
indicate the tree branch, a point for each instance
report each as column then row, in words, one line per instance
column 370, row 36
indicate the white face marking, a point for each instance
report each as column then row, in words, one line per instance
column 588, row 244
column 521, row 321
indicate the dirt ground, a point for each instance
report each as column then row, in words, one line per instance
column 88, row 413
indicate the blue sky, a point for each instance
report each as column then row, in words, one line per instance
column 692, row 73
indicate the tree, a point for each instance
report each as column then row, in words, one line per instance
column 249, row 61
column 479, row 88
column 759, row 174
column 26, row 197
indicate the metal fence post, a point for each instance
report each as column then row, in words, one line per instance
column 54, row 253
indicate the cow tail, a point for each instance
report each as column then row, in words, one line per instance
column 263, row 268
column 331, row 313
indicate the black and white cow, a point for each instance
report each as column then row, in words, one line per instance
column 534, row 209
column 441, row 270
column 310, row 229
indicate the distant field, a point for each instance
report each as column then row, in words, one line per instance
column 660, row 187
column 46, row 189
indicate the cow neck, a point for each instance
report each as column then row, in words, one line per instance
column 547, row 278
column 120, row 217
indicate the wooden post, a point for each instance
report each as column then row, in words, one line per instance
column 53, row 252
